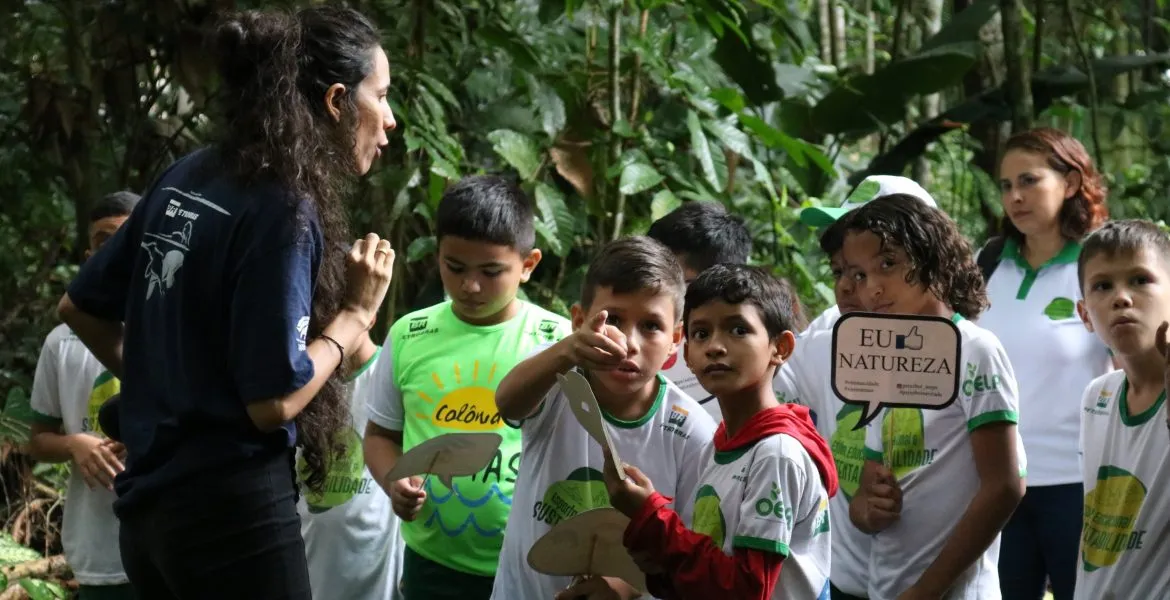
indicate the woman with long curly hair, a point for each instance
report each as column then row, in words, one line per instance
column 227, row 310
column 1052, row 198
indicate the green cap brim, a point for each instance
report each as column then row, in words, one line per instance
column 821, row 216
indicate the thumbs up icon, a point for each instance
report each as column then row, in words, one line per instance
column 912, row 340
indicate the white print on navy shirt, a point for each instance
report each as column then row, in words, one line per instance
column 166, row 251
column 302, row 332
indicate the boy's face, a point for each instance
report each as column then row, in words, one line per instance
column 1126, row 299
column 880, row 276
column 647, row 319
column 729, row 350
column 844, row 286
column 482, row 278
column 102, row 230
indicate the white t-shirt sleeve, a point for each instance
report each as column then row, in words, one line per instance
column 45, row 398
column 700, row 431
column 771, row 499
column 989, row 393
column 384, row 399
column 534, row 425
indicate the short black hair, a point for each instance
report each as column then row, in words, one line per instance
column 940, row 257
column 833, row 237
column 738, row 284
column 1123, row 237
column 705, row 234
column 117, row 204
column 487, row 208
column 632, row 264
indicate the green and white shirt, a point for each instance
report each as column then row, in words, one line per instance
column 769, row 496
column 929, row 452
column 681, row 376
column 805, row 379
column 560, row 474
column 351, row 534
column 69, row 388
column 1033, row 313
column 1126, row 466
column 438, row 374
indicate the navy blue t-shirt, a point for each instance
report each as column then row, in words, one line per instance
column 214, row 283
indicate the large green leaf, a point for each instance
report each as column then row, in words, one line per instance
column 701, row 149
column 12, row 553
column 518, row 149
column 964, row 26
column 1047, row 87
column 421, row 248
column 42, row 590
column 864, row 103
column 663, row 203
column 639, row 177
column 730, row 135
column 556, row 222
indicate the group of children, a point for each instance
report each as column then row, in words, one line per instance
column 746, row 476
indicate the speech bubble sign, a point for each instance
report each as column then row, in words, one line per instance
column 589, row 543
column 896, row 361
column 448, row 455
column 583, row 403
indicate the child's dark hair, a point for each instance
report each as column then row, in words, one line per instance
column 705, row 234
column 738, row 284
column 117, row 204
column 633, row 264
column 487, row 208
column 940, row 257
column 1124, row 237
column 833, row 238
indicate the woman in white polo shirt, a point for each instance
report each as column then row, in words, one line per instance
column 1052, row 197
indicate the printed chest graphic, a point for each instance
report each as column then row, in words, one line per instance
column 461, row 399
column 582, row 490
column 105, row 386
column 904, row 441
column 1111, row 513
column 345, row 480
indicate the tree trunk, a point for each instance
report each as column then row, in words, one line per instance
column 987, row 74
column 1018, row 88
column 870, row 47
column 930, row 105
column 840, row 57
column 824, row 17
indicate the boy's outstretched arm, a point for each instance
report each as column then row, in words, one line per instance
column 594, row 346
column 1000, row 489
column 691, row 565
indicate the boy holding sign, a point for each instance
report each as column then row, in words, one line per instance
column 1124, row 271
column 437, row 374
column 763, row 499
column 938, row 485
column 627, row 323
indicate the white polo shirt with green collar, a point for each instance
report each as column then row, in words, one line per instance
column 1033, row 313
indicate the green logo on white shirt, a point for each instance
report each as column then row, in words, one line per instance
column 774, row 506
column 1060, row 309
column 708, row 515
column 979, row 383
column 583, row 490
column 1111, row 511
column 904, row 441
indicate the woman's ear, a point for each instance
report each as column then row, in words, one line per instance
column 333, row 97
column 1072, row 183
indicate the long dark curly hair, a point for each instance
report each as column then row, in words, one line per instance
column 940, row 257
column 275, row 68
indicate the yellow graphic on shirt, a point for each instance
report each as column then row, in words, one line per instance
column 346, row 476
column 904, row 441
column 1111, row 511
column 708, row 516
column 582, row 490
column 105, row 386
column 469, row 408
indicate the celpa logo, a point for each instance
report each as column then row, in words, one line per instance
column 172, row 208
column 977, row 383
column 548, row 329
column 678, row 416
column 418, row 324
column 773, row 506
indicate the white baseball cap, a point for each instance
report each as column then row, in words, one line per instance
column 874, row 186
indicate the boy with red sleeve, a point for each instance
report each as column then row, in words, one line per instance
column 763, row 498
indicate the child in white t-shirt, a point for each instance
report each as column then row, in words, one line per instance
column 627, row 322
column 69, row 388
column 938, row 485
column 1124, row 271
column 352, row 541
column 761, row 526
